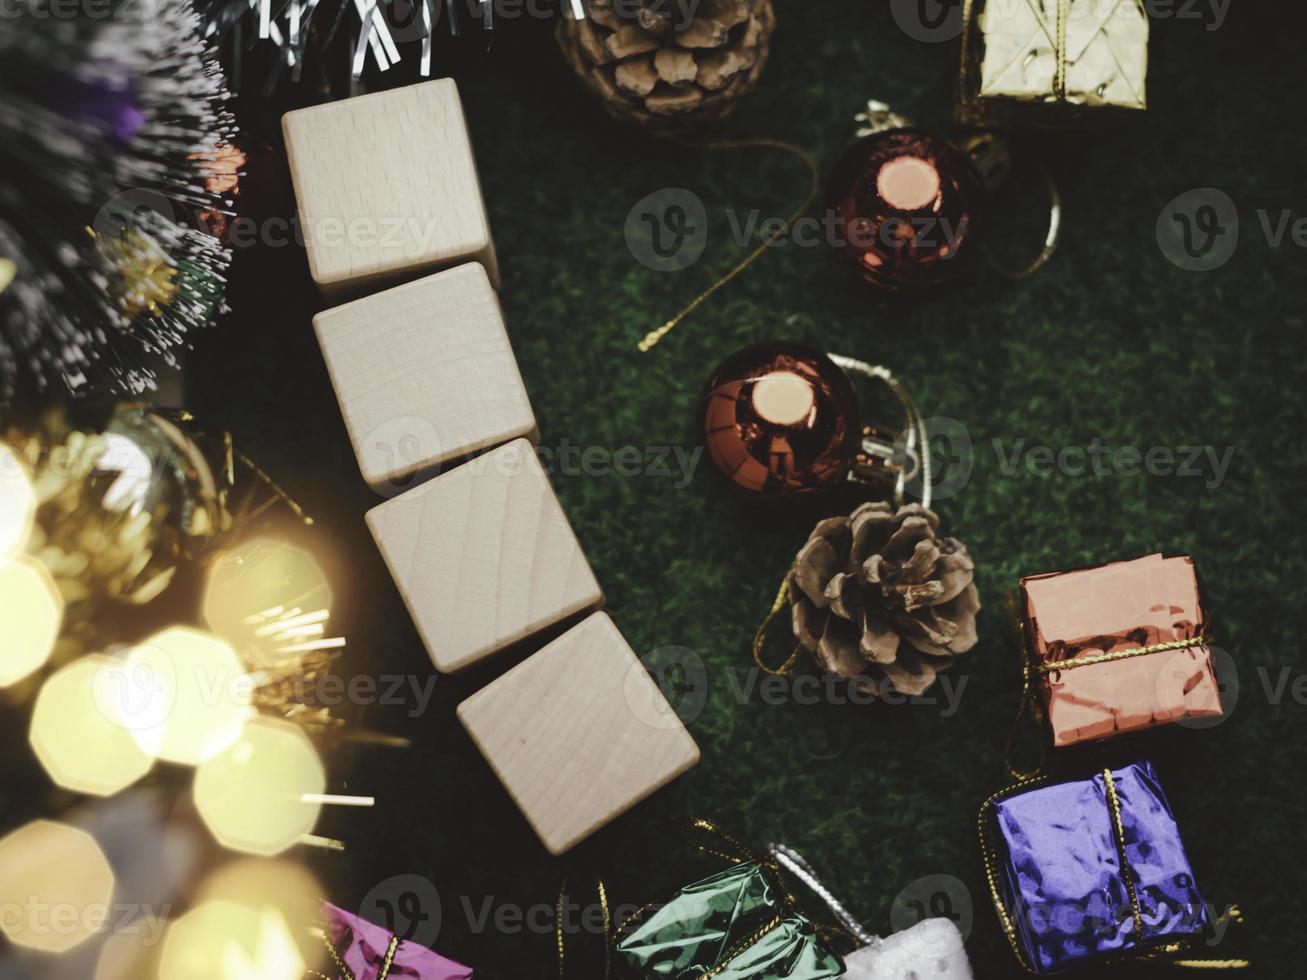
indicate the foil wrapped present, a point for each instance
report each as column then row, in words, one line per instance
column 734, row 925
column 1042, row 62
column 1119, row 647
column 360, row 950
column 1092, row 869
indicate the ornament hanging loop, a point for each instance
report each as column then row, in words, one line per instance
column 992, row 158
column 907, row 462
column 796, row 865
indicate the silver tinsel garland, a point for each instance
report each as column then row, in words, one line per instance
column 113, row 135
column 381, row 32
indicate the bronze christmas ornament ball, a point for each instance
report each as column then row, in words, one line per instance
column 907, row 203
column 781, row 420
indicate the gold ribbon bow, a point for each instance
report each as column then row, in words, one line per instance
column 1165, row 955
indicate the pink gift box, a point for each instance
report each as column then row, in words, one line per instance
column 1111, row 610
column 363, row 948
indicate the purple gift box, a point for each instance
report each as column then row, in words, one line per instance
column 370, row 952
column 1056, row 855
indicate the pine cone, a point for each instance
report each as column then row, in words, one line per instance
column 878, row 592
column 652, row 66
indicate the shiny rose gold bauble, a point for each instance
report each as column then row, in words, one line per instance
column 781, row 420
column 906, row 203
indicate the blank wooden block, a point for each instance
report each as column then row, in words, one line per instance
column 387, row 188
column 484, row 556
column 424, row 374
column 578, row 733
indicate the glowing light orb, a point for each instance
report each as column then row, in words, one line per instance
column 220, row 940
column 269, row 597
column 17, row 502
column 81, row 747
column 129, row 955
column 287, row 886
column 32, row 612
column 260, row 796
column 55, row 885
column 182, row 694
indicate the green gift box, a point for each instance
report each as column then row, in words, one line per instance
column 737, row 924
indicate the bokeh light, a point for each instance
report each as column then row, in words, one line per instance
column 55, row 887
column 17, row 502
column 223, row 940
column 82, row 748
column 184, row 695
column 127, row 955
column 287, row 886
column 31, row 614
column 260, row 796
column 268, row 598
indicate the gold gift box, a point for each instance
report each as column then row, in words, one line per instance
column 1045, row 62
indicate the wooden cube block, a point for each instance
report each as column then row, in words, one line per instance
column 387, row 188
column 484, row 556
column 578, row 733
column 424, row 374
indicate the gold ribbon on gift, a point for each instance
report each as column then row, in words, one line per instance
column 1166, row 955
column 1032, row 672
column 735, row 852
column 345, row 973
column 1059, row 75
column 560, row 936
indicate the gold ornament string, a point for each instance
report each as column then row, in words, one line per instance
column 560, row 938
column 8, row 271
column 780, row 603
column 652, row 338
column 989, row 853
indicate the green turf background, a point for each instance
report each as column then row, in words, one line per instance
column 1110, row 342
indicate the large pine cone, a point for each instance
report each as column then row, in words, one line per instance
column 651, row 65
column 878, row 592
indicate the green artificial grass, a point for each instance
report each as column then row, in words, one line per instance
column 1111, row 342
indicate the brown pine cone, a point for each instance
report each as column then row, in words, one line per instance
column 651, row 65
column 878, row 592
